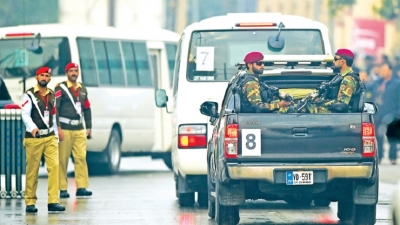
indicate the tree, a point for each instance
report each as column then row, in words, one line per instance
column 389, row 9
column 21, row 12
column 336, row 5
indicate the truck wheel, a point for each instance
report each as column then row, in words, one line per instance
column 322, row 202
column 365, row 214
column 225, row 215
column 202, row 199
column 346, row 210
column 186, row 199
column 210, row 198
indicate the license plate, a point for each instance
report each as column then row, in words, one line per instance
column 299, row 177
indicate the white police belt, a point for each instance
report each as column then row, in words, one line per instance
column 46, row 131
column 69, row 121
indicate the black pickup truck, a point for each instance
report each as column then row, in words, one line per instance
column 295, row 157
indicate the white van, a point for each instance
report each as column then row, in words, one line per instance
column 121, row 69
column 208, row 52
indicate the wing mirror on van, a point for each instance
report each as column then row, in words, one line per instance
column 162, row 99
column 370, row 107
column 276, row 43
column 209, row 109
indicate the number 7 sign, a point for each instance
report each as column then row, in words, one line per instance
column 205, row 58
column 251, row 142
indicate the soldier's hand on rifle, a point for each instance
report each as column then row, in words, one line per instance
column 283, row 104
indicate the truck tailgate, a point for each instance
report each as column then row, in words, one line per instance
column 300, row 137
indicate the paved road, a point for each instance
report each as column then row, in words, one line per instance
column 143, row 194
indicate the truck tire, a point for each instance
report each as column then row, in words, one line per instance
column 345, row 210
column 210, row 198
column 186, row 199
column 225, row 215
column 365, row 214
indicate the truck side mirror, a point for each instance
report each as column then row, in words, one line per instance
column 161, row 98
column 209, row 109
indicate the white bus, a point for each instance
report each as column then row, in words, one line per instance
column 121, row 69
column 207, row 54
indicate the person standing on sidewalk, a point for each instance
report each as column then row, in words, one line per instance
column 74, row 116
column 39, row 116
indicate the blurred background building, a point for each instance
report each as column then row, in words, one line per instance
column 369, row 27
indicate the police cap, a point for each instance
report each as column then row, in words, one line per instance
column 345, row 53
column 253, row 57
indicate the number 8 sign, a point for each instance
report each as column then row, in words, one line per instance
column 251, row 142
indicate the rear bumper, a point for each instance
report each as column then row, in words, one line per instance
column 192, row 161
column 267, row 172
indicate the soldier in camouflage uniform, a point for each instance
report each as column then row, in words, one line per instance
column 251, row 88
column 347, row 87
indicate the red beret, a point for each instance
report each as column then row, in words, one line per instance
column 345, row 53
column 70, row 65
column 43, row 69
column 253, row 57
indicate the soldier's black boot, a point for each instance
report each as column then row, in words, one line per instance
column 64, row 194
column 31, row 209
column 55, row 207
column 83, row 192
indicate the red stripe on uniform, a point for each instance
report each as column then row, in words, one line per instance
column 54, row 111
column 58, row 93
column 86, row 104
column 24, row 103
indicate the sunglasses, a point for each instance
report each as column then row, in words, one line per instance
column 259, row 63
column 336, row 59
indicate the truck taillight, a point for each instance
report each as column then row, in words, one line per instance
column 368, row 140
column 192, row 136
column 230, row 141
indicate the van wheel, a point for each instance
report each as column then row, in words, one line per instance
column 113, row 153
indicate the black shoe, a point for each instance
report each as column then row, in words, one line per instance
column 55, row 207
column 64, row 194
column 83, row 192
column 31, row 209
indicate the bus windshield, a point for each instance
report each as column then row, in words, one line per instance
column 17, row 60
column 213, row 54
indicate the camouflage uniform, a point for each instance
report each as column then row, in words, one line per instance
column 347, row 88
column 252, row 90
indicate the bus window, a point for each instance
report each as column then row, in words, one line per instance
column 102, row 64
column 115, row 63
column 130, row 64
column 143, row 65
column 171, row 53
column 17, row 61
column 87, row 62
